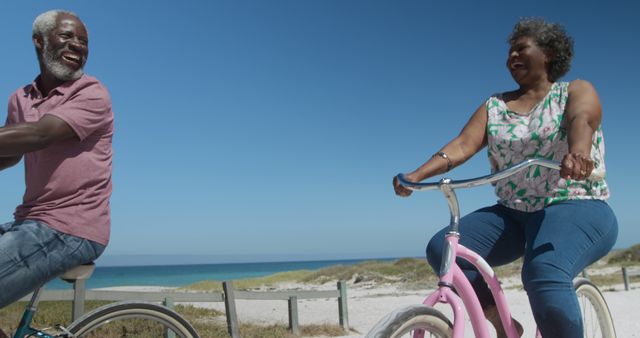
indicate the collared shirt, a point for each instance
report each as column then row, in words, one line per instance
column 68, row 184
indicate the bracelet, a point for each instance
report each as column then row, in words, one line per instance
column 446, row 157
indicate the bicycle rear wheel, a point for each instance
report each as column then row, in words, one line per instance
column 131, row 319
column 596, row 317
column 411, row 322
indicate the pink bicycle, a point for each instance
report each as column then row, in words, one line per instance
column 419, row 321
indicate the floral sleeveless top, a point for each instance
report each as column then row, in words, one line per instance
column 540, row 134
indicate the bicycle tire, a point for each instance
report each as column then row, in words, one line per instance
column 122, row 311
column 403, row 321
column 593, row 306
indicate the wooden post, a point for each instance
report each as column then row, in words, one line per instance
column 79, row 294
column 168, row 303
column 625, row 277
column 230, row 307
column 342, row 305
column 294, row 326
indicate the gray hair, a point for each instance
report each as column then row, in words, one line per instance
column 553, row 38
column 46, row 21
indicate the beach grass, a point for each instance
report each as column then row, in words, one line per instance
column 407, row 271
column 251, row 283
column 626, row 257
column 207, row 322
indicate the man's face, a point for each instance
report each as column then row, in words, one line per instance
column 65, row 48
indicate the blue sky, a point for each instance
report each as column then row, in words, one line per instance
column 260, row 130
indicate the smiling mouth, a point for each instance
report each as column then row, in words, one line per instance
column 75, row 59
column 517, row 65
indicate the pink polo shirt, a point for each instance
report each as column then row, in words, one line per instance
column 68, row 184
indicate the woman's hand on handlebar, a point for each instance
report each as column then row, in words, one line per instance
column 576, row 166
column 399, row 189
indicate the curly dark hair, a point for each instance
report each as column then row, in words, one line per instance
column 552, row 38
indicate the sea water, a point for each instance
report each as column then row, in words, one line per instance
column 182, row 275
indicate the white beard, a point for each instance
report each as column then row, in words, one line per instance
column 53, row 64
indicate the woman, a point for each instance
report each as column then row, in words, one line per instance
column 559, row 221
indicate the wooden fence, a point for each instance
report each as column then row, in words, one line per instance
column 626, row 273
column 229, row 296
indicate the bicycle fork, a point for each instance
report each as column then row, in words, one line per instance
column 456, row 290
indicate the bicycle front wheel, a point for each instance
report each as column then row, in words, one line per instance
column 412, row 322
column 132, row 319
column 596, row 317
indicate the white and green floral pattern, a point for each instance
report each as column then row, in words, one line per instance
column 514, row 137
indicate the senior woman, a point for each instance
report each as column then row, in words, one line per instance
column 558, row 221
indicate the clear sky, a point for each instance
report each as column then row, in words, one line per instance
column 260, row 130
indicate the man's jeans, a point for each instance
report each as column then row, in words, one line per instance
column 31, row 254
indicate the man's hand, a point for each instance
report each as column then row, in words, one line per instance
column 576, row 166
column 400, row 190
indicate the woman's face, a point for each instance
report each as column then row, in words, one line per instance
column 527, row 61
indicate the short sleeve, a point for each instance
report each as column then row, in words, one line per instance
column 87, row 110
column 12, row 110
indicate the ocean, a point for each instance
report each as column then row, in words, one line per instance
column 181, row 275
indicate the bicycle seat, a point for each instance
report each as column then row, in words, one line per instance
column 83, row 271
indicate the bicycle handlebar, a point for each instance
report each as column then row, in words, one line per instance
column 474, row 182
column 447, row 186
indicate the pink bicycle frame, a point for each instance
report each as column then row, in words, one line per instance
column 451, row 276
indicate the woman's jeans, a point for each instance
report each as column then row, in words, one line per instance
column 31, row 254
column 557, row 243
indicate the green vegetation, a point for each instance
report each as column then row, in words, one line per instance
column 209, row 323
column 49, row 313
column 630, row 256
column 509, row 270
column 411, row 272
column 407, row 272
column 251, row 283
column 611, row 279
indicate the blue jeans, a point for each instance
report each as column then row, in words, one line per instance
column 31, row 254
column 557, row 243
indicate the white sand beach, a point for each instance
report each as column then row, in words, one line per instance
column 368, row 303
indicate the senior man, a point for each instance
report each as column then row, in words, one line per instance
column 62, row 124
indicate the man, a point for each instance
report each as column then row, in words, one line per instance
column 62, row 124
